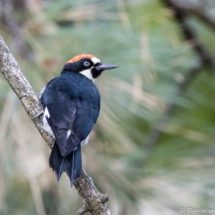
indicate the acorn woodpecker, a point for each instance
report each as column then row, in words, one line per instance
column 71, row 106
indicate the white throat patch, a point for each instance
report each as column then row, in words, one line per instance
column 88, row 72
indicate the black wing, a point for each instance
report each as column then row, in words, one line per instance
column 70, row 118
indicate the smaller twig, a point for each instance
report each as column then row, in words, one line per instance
column 179, row 89
column 196, row 11
column 83, row 210
column 93, row 201
column 190, row 35
column 205, row 59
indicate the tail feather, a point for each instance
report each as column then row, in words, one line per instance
column 71, row 164
column 55, row 160
column 61, row 168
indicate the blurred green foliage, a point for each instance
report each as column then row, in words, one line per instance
column 143, row 39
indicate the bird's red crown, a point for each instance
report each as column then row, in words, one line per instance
column 79, row 57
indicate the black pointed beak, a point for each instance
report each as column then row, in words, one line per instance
column 104, row 66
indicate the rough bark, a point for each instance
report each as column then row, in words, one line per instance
column 93, row 201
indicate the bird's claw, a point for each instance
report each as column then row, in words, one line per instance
column 39, row 114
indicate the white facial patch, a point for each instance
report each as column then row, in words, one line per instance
column 88, row 72
column 95, row 60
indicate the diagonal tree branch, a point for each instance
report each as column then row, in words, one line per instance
column 93, row 201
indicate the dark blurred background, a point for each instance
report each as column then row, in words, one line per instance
column 152, row 149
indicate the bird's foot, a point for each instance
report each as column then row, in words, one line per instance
column 39, row 114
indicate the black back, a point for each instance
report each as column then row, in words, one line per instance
column 73, row 104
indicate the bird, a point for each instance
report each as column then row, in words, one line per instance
column 71, row 106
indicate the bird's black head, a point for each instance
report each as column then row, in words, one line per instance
column 87, row 65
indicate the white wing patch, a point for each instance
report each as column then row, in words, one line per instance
column 49, row 130
column 85, row 141
column 46, row 126
column 68, row 133
column 47, row 112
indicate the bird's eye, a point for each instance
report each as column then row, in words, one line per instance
column 86, row 63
